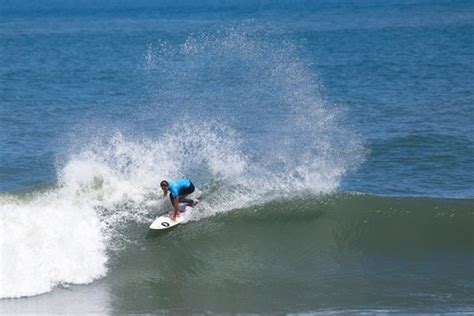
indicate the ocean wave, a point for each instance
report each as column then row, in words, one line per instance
column 68, row 233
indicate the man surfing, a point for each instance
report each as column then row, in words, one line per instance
column 178, row 190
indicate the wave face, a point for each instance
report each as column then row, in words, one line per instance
column 343, row 251
column 335, row 252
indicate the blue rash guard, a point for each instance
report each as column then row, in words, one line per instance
column 180, row 187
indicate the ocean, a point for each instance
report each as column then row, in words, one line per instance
column 333, row 142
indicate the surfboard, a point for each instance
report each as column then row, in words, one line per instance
column 165, row 222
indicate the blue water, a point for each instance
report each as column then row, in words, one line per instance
column 348, row 122
column 402, row 71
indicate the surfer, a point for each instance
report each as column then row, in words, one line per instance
column 178, row 190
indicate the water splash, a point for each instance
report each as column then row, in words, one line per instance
column 248, row 125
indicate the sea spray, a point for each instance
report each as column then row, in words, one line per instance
column 262, row 85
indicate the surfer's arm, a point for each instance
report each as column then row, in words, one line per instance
column 175, row 203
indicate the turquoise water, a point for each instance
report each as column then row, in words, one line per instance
column 335, row 135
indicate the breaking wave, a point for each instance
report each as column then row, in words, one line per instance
column 67, row 233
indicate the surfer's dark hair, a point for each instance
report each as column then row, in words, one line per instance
column 164, row 183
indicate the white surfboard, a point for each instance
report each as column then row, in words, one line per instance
column 165, row 222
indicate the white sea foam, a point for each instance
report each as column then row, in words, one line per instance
column 48, row 240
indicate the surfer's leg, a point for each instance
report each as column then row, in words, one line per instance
column 190, row 202
column 184, row 193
